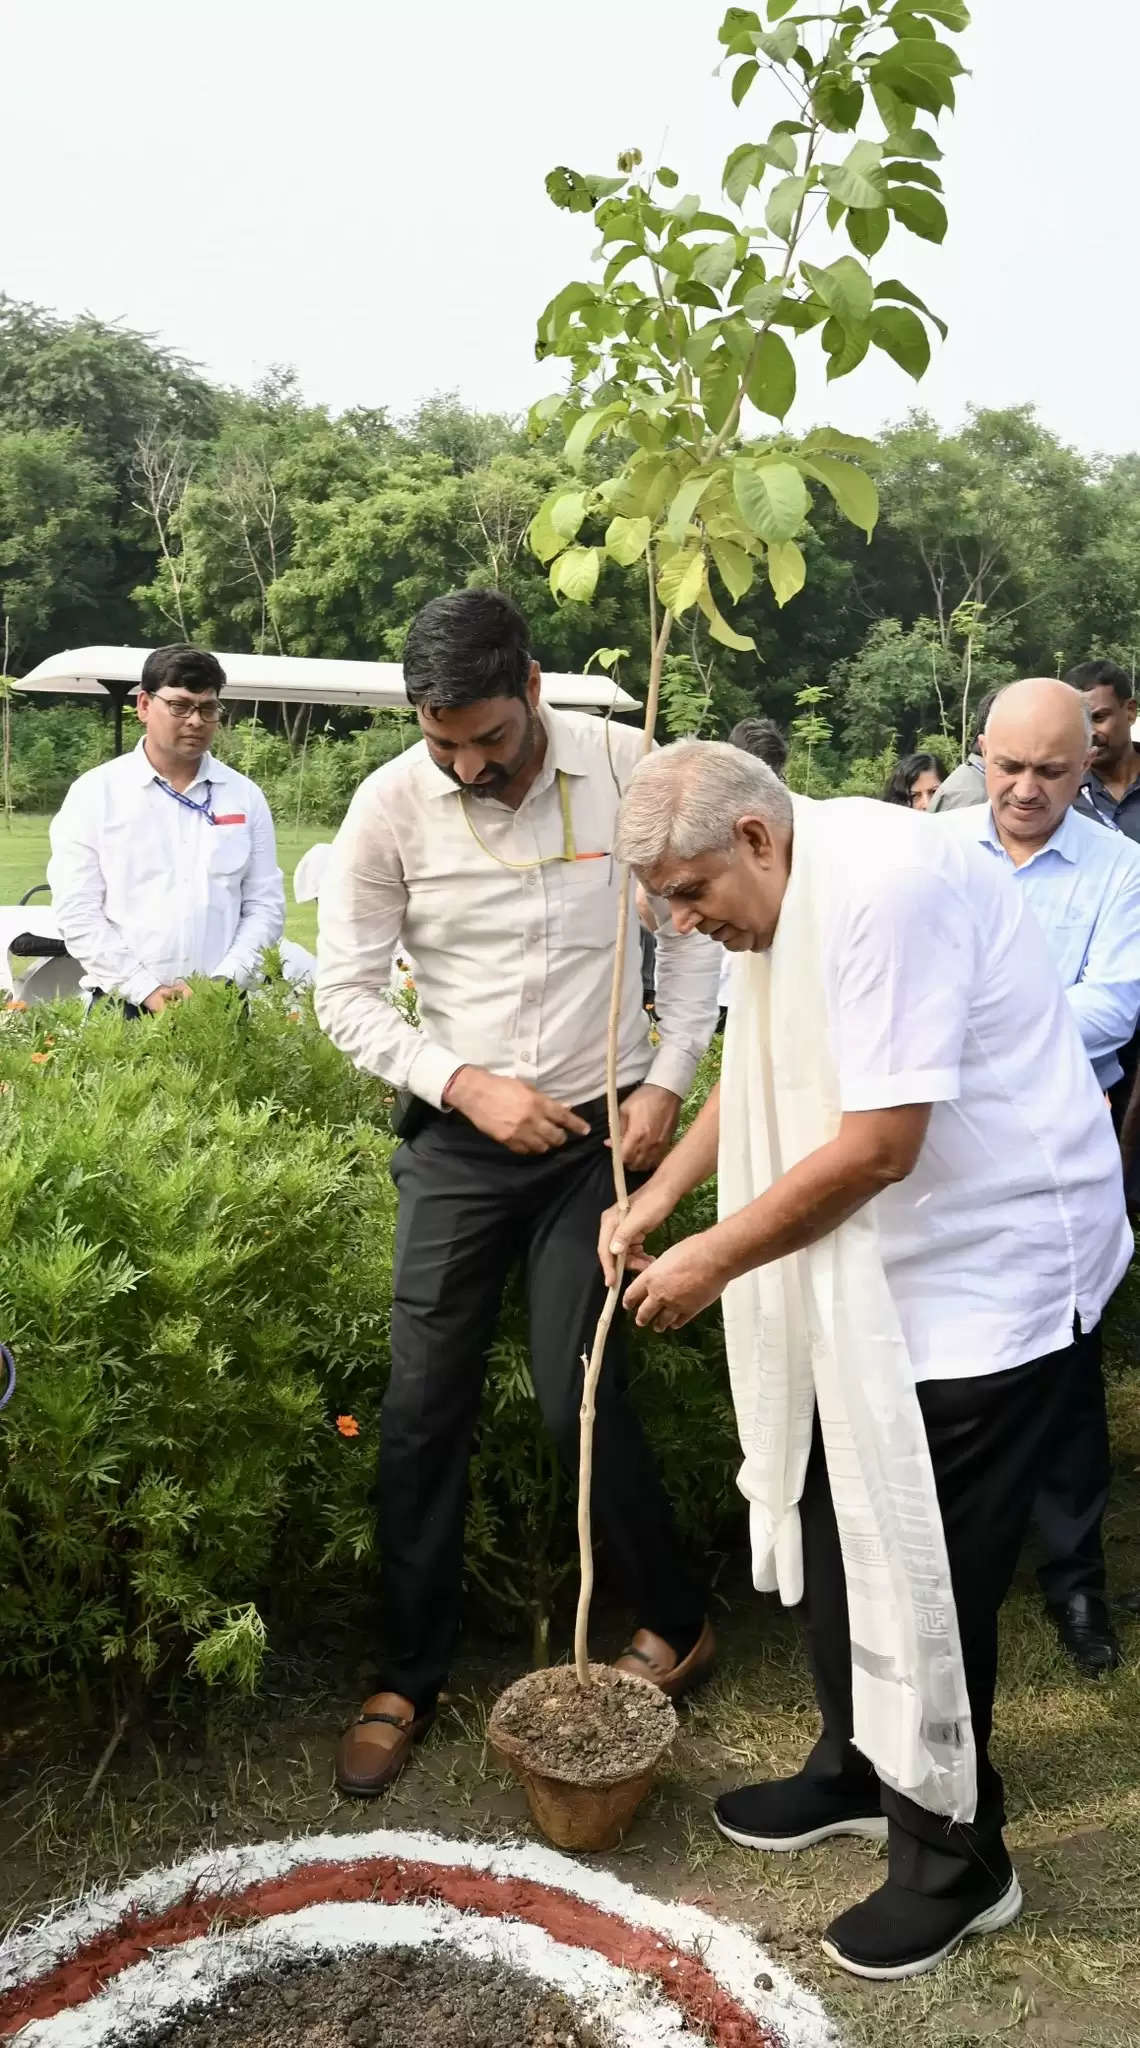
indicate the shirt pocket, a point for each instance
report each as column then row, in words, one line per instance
column 585, row 903
column 228, row 849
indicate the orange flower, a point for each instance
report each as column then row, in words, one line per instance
column 348, row 1425
column 39, row 1059
column 15, row 1006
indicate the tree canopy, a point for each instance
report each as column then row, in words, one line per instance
column 138, row 501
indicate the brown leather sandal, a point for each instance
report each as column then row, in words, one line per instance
column 366, row 1764
column 652, row 1658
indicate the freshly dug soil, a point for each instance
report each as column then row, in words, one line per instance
column 398, row 1998
column 595, row 1735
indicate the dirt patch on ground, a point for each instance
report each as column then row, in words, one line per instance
column 586, row 1735
column 402, row 1998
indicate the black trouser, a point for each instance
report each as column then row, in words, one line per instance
column 468, row 1210
column 986, row 1439
column 1075, row 1475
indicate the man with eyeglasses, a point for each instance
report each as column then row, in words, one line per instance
column 487, row 850
column 163, row 862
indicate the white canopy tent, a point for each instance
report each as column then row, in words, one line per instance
column 282, row 679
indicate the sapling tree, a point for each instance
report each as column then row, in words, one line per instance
column 688, row 326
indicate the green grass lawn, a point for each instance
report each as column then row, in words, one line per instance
column 24, row 859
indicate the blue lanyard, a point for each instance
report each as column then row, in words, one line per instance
column 203, row 809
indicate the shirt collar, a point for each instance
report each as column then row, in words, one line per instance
column 1092, row 782
column 1066, row 840
column 209, row 769
column 565, row 755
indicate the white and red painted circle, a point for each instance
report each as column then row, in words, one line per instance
column 649, row 1972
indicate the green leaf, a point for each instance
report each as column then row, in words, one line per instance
column 858, row 180
column 575, row 574
column 853, row 490
column 739, row 21
column 918, row 71
column 784, row 204
column 912, row 142
column 719, row 386
column 545, row 539
column 719, row 628
column 761, row 302
column 836, row 442
column 772, row 382
column 627, row 539
column 838, row 102
column 772, row 497
column 542, row 412
column 780, row 44
column 569, row 190
column 681, row 580
column 902, row 336
column 953, row 14
column 689, row 293
column 786, row 571
column 845, row 348
column 715, row 263
column 665, row 176
column 743, row 169
column 685, row 503
column 914, row 174
column 780, row 148
column 778, row 8
column 742, row 78
column 587, row 429
column 700, row 346
column 625, row 256
column 844, row 287
column 734, row 567
column 868, row 231
column 892, row 289
column 919, row 211
column 567, row 511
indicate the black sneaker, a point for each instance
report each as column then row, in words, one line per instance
column 897, row 1933
column 793, row 1813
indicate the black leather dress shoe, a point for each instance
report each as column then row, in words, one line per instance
column 1085, row 1628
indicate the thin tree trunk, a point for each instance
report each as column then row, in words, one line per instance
column 593, row 1364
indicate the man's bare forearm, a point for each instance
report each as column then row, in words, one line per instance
column 693, row 1161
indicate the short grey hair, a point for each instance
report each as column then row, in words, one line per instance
column 686, row 800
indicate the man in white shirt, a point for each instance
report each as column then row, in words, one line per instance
column 1081, row 880
column 487, row 852
column 968, row 1115
column 163, row 862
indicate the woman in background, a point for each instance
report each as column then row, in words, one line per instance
column 914, row 781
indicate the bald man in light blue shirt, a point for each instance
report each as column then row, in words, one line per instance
column 1082, row 880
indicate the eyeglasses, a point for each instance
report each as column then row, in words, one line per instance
column 186, row 707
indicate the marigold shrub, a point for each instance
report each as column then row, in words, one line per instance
column 198, row 1223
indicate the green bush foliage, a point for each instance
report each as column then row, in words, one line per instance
column 198, row 1226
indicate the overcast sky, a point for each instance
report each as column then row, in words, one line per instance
column 356, row 188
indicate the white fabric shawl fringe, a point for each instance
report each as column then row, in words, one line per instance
column 820, row 1328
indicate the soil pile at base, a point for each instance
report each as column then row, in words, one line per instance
column 587, row 1735
column 395, row 1998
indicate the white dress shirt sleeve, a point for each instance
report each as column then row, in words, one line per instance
column 1106, row 999
column 362, row 905
column 78, row 895
column 903, row 965
column 262, row 918
column 687, row 983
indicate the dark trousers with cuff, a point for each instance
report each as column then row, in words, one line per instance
column 987, row 1437
column 469, row 1209
column 1076, row 1474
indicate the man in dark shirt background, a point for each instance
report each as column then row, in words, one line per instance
column 1112, row 783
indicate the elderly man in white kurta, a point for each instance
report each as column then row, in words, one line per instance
column 921, row 1219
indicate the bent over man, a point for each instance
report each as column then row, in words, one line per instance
column 921, row 1219
column 488, row 851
